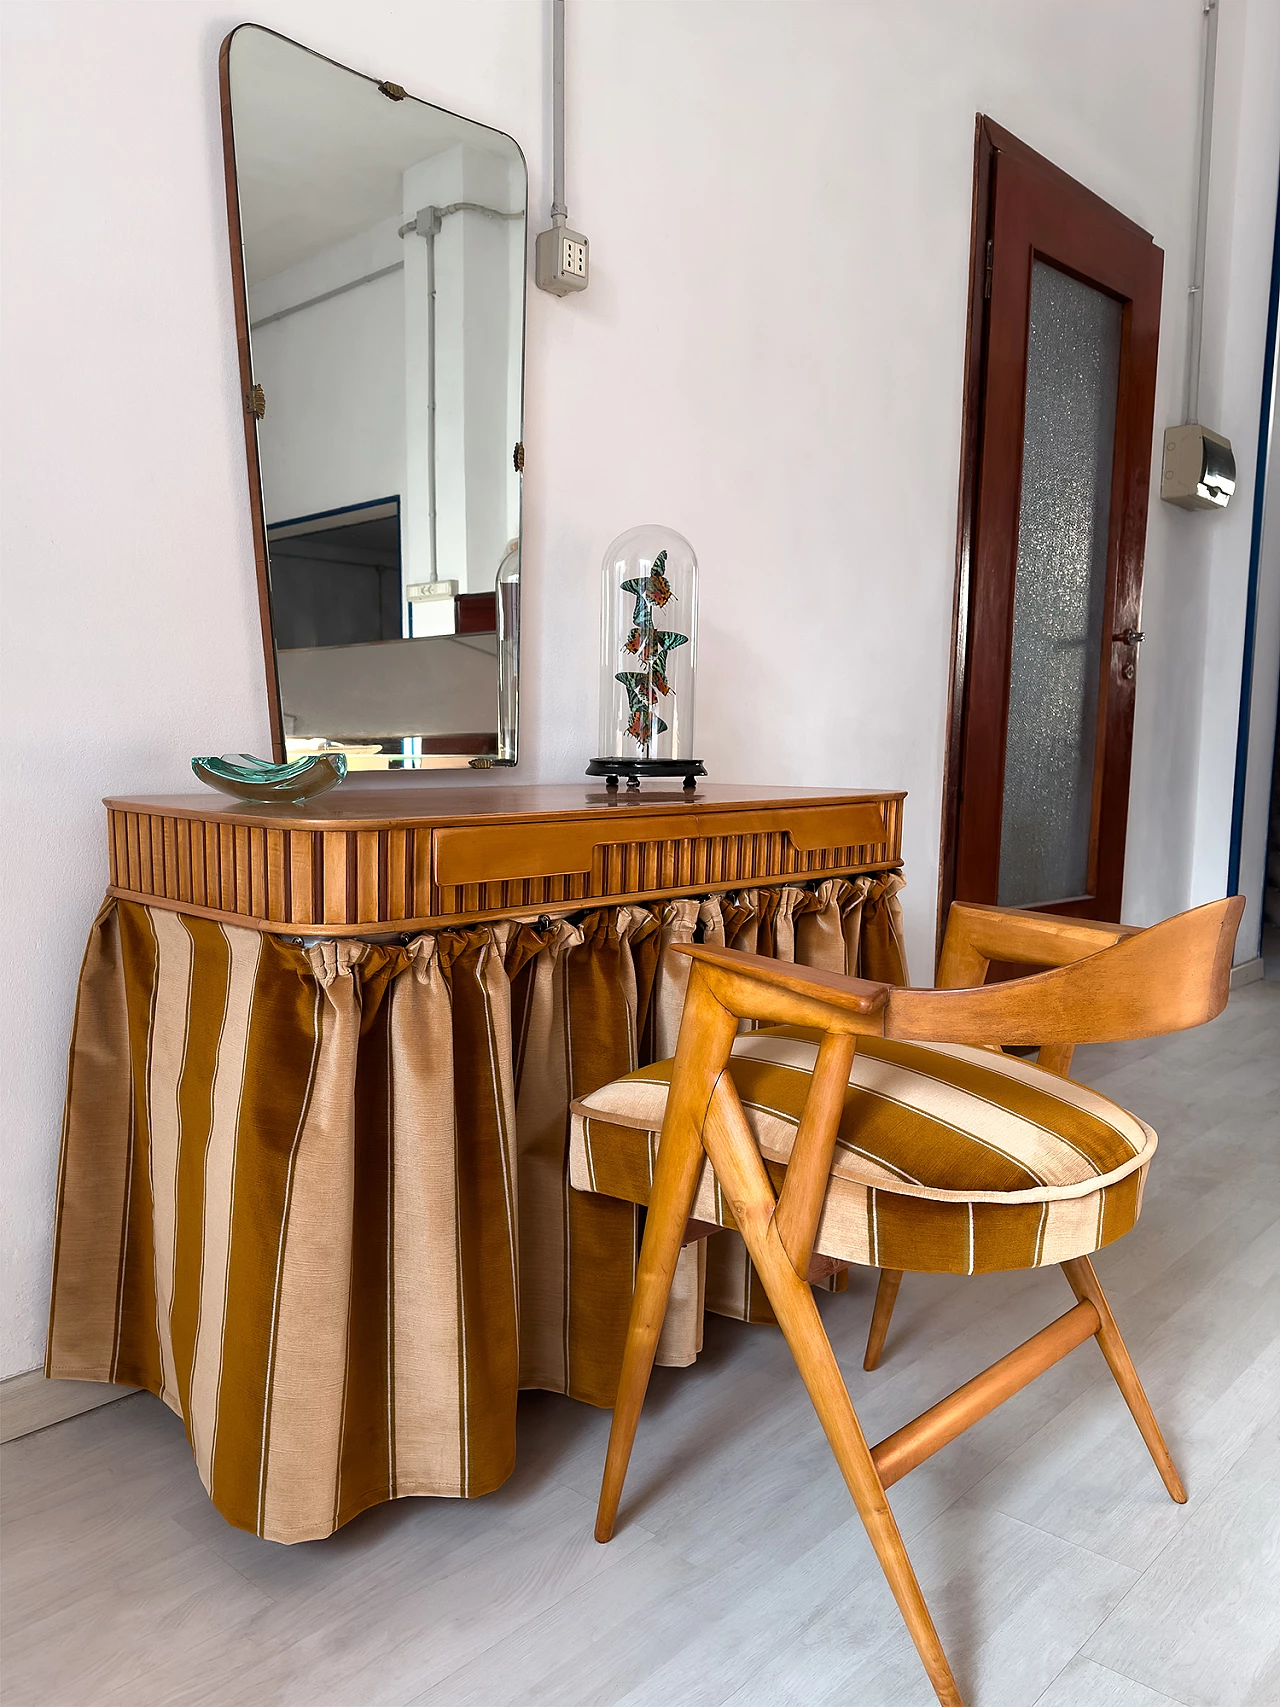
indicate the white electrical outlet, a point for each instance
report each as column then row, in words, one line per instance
column 562, row 261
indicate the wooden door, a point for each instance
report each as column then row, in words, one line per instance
column 1065, row 317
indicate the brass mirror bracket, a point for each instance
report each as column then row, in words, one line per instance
column 392, row 91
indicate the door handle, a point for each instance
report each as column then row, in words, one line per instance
column 1131, row 637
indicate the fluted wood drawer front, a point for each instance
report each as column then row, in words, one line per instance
column 497, row 853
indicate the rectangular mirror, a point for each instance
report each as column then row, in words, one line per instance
column 378, row 253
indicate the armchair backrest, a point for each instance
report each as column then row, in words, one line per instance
column 1109, row 982
column 1140, row 983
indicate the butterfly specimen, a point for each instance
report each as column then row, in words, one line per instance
column 658, row 657
column 649, row 590
column 641, row 695
column 650, row 646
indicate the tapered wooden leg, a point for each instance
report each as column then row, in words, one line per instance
column 797, row 1313
column 706, row 1036
column 659, row 1252
column 1084, row 1283
column 886, row 1296
column 742, row 1176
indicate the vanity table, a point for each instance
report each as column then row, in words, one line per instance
column 314, row 1181
column 390, row 854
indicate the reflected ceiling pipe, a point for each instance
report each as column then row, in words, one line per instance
column 326, row 296
column 426, row 224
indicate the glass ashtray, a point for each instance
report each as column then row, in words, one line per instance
column 257, row 779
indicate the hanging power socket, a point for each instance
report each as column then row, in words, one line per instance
column 562, row 260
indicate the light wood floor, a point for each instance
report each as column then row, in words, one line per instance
column 1058, row 1571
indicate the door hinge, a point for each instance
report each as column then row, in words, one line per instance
column 991, row 261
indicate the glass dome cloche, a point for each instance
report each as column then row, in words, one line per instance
column 648, row 641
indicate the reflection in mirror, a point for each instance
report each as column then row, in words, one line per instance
column 381, row 303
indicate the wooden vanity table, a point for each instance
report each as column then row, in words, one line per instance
column 314, row 1185
column 389, row 853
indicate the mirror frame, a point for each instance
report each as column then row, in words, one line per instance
column 250, row 410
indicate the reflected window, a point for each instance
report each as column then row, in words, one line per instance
column 335, row 577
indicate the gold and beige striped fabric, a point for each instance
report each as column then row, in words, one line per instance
column 317, row 1197
column 853, row 927
column 950, row 1159
column 284, row 1209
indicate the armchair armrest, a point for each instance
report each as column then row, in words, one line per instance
column 753, row 986
column 978, row 934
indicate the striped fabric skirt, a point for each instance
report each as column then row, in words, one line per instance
column 316, row 1195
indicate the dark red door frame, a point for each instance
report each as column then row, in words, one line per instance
column 1024, row 207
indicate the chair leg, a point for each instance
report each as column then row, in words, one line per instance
column 674, row 1186
column 798, row 1316
column 706, row 1035
column 886, row 1297
column 742, row 1175
column 1084, row 1283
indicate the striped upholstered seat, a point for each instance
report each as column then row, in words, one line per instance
column 950, row 1158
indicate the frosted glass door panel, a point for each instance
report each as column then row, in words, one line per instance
column 1073, row 361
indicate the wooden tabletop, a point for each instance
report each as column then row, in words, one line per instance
column 392, row 801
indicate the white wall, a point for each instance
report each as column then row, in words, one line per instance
column 334, row 378
column 798, row 420
column 1242, row 226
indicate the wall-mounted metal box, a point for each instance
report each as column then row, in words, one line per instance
column 1199, row 471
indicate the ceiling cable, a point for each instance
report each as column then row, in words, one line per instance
column 559, row 212
column 1195, row 315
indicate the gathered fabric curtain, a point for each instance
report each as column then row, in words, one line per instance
column 316, row 1197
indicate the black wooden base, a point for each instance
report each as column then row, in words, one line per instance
column 634, row 769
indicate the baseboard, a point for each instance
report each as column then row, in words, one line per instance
column 1248, row 972
column 30, row 1401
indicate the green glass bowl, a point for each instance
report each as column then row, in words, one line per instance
column 256, row 779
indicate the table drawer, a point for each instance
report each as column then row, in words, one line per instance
column 489, row 867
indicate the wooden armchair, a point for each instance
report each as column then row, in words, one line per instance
column 886, row 1126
